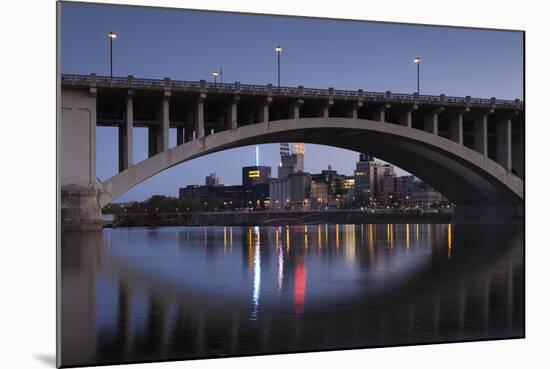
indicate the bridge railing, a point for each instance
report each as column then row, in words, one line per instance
column 345, row 93
column 253, row 88
column 316, row 91
column 286, row 90
column 455, row 100
column 80, row 79
column 402, row 97
column 429, row 99
column 75, row 78
column 185, row 84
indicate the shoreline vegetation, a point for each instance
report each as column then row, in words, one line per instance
column 274, row 218
column 160, row 210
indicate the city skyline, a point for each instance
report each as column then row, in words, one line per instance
column 475, row 62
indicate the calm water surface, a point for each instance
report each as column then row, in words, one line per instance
column 188, row 292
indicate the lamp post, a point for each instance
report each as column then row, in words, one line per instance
column 278, row 49
column 417, row 62
column 215, row 75
column 112, row 36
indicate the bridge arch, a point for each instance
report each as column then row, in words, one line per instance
column 463, row 175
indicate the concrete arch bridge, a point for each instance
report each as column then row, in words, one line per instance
column 470, row 149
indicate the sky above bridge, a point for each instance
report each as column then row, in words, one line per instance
column 190, row 45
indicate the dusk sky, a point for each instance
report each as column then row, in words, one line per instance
column 189, row 45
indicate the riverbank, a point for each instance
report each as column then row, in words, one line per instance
column 273, row 218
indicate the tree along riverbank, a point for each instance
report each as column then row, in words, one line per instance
column 267, row 218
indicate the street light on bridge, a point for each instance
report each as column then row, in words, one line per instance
column 112, row 36
column 278, row 50
column 417, row 62
column 215, row 75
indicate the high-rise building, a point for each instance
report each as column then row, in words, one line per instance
column 370, row 185
column 291, row 163
column 213, row 180
column 256, row 174
column 365, row 157
column 405, row 185
column 285, row 149
column 366, row 179
column 299, row 148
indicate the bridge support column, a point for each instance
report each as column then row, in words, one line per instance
column 153, row 140
column 405, row 118
column 456, row 128
column 232, row 113
column 179, row 135
column 325, row 108
column 295, row 110
column 264, row 110
column 189, row 126
column 480, row 134
column 380, row 115
column 165, row 123
column 431, row 121
column 504, row 142
column 199, row 128
column 518, row 151
column 355, row 109
column 126, row 136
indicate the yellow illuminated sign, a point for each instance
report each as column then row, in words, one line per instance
column 253, row 174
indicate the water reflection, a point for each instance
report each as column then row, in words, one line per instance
column 257, row 274
column 182, row 292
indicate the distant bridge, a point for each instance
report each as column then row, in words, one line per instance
column 470, row 149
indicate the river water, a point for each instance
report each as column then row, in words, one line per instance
column 168, row 293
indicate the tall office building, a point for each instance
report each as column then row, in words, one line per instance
column 369, row 179
column 285, row 149
column 291, row 189
column 291, row 163
column 213, row 180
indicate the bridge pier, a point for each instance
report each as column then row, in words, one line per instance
column 80, row 194
column 80, row 208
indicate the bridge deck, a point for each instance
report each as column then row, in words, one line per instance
column 75, row 80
